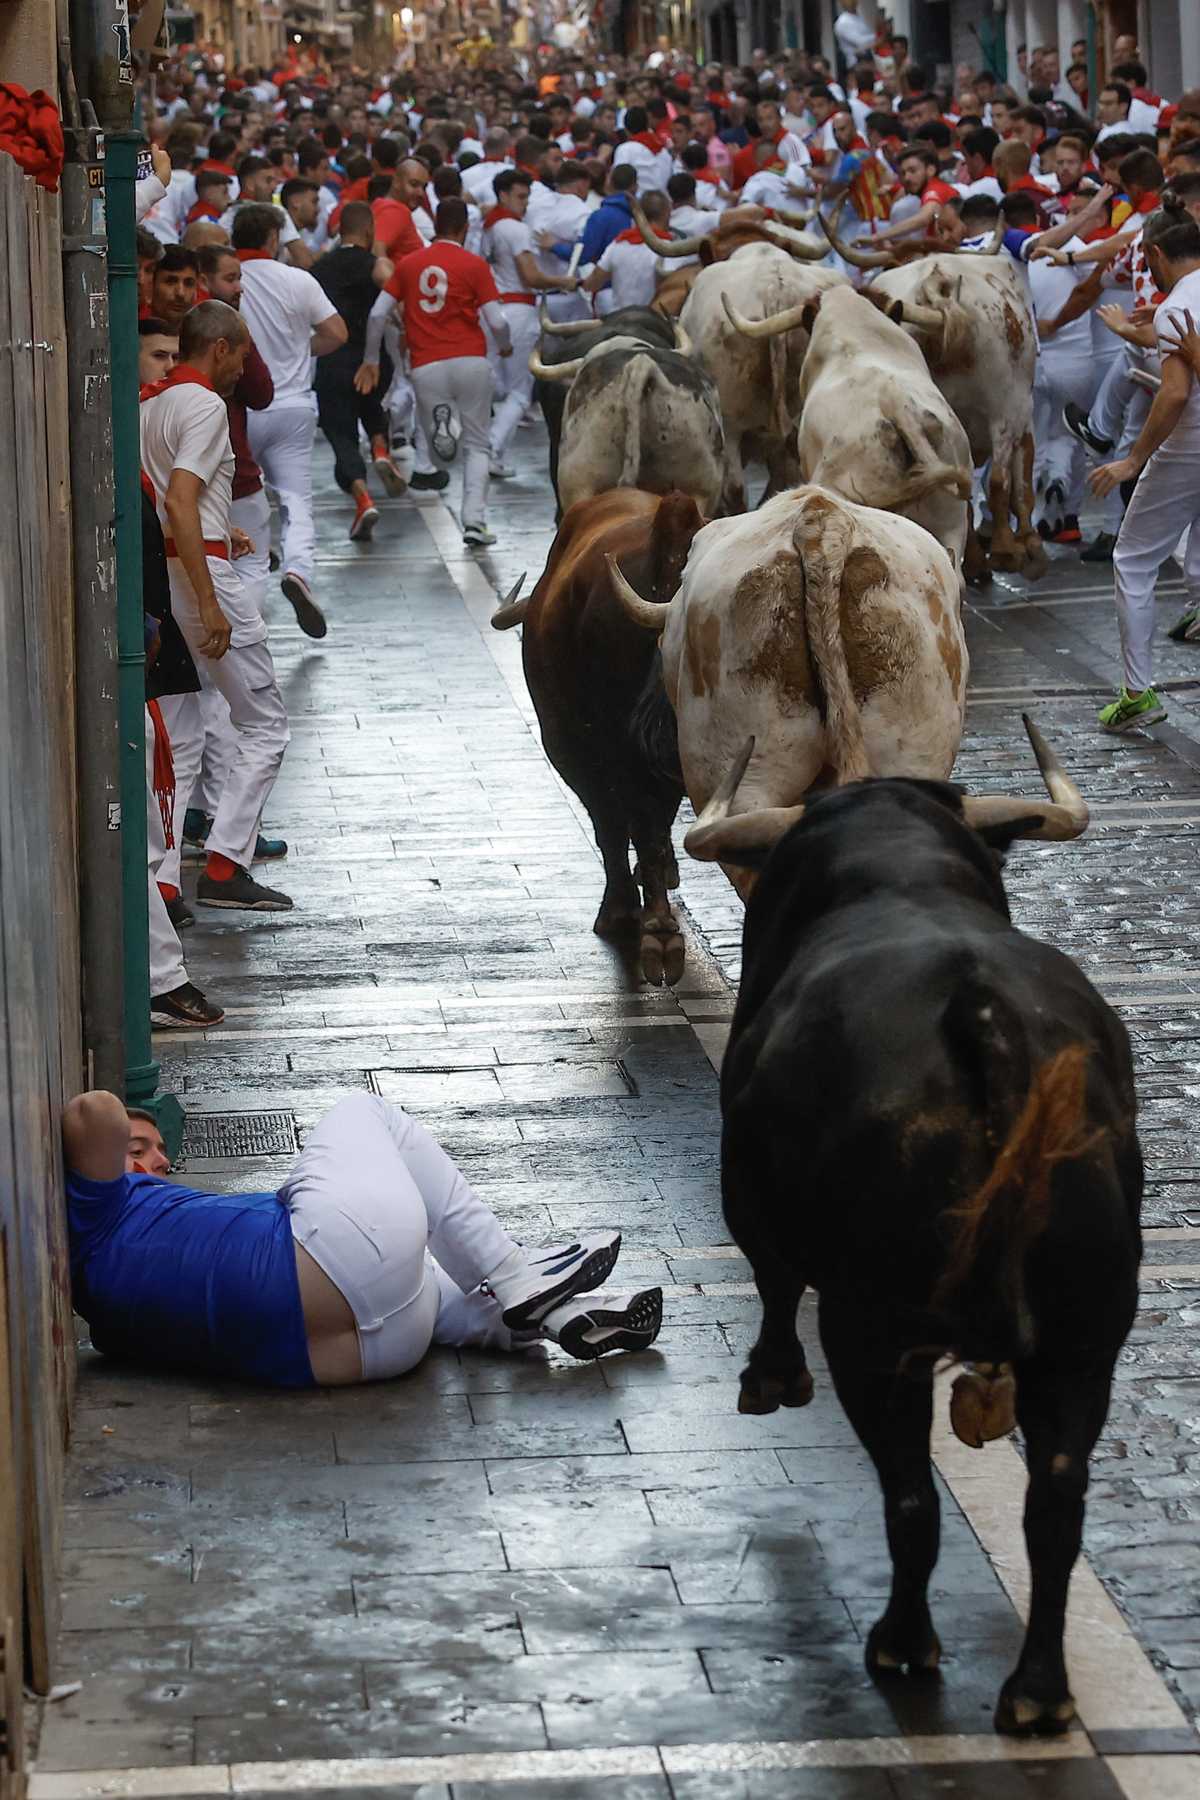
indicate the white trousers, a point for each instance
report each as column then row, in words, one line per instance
column 512, row 374
column 166, row 952
column 245, row 675
column 281, row 442
column 252, row 514
column 185, row 727
column 464, row 383
column 1165, row 500
column 371, row 1196
column 1058, row 454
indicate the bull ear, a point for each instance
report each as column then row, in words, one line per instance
column 809, row 316
column 895, row 312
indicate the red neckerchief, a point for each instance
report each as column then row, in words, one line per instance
column 182, row 375
column 204, row 209
column 224, row 168
column 498, row 213
column 780, row 135
column 528, row 169
column 1027, row 181
column 988, row 171
column 771, row 165
column 1148, row 203
column 648, row 140
column 707, row 175
column 245, row 256
column 634, row 236
column 1146, row 96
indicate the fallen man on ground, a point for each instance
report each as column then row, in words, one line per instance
column 374, row 1248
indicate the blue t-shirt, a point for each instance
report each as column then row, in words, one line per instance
column 200, row 1284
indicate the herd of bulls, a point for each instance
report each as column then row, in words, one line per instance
column 929, row 1118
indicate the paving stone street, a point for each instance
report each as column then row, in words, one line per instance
column 530, row 1554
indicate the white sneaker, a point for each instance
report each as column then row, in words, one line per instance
column 593, row 1324
column 549, row 1276
column 478, row 537
column 499, row 471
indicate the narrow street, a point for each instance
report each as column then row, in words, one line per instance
column 535, row 1568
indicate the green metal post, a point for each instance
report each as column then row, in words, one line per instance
column 141, row 1070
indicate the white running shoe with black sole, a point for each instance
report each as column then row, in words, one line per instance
column 442, row 440
column 542, row 1279
column 593, row 1324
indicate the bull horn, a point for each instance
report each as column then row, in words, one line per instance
column 664, row 246
column 926, row 318
column 769, row 327
column 858, row 259
column 563, row 371
column 565, row 327
column 994, row 247
column 511, row 611
column 683, row 342
column 747, row 837
column 800, row 243
column 650, row 613
column 1066, row 817
column 797, row 218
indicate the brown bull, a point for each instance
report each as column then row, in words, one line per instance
column 593, row 675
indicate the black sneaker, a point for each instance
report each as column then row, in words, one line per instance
column 185, row 1006
column 433, row 483
column 273, row 561
column 196, row 826
column 180, row 913
column 591, row 1325
column 309, row 616
column 241, row 893
column 1075, row 418
column 1100, row 549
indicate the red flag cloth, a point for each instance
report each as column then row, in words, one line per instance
column 31, row 133
column 164, row 773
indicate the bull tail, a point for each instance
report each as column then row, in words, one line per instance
column 636, row 377
column 822, row 537
column 777, row 347
column 981, row 1292
column 927, row 472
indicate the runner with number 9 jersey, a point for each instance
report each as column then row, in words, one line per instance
column 442, row 291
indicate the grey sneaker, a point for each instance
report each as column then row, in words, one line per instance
column 241, row 893
column 478, row 537
column 309, row 616
column 593, row 1324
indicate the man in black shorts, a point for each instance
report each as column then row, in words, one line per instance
column 352, row 276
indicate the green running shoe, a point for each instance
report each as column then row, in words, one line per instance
column 1127, row 713
column 1186, row 629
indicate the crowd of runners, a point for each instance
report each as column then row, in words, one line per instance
column 370, row 258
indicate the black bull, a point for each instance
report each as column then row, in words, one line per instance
column 929, row 1118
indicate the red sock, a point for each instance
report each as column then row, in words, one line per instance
column 168, row 892
column 219, row 868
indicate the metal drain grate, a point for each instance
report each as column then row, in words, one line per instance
column 210, row 1135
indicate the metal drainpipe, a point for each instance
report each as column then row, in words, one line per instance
column 85, row 290
column 141, row 1070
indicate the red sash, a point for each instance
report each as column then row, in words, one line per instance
column 182, row 375
column 497, row 213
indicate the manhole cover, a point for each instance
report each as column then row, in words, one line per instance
column 209, row 1135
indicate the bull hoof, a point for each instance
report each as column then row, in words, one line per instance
column 1006, row 561
column 765, row 1394
column 673, row 960
column 1036, row 560
column 1020, row 1715
column 613, row 924
column 976, row 572
column 652, row 959
column 895, row 1653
